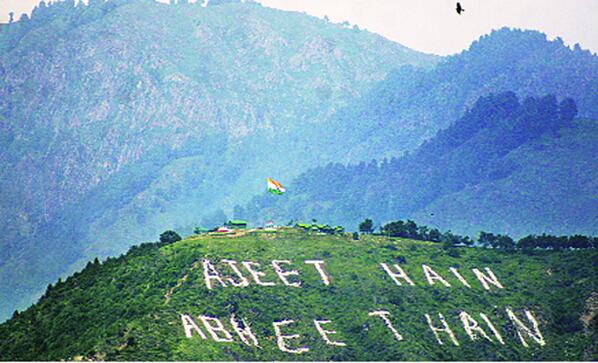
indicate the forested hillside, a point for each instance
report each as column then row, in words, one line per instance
column 412, row 104
column 123, row 118
column 508, row 165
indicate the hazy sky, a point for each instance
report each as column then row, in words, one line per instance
column 432, row 25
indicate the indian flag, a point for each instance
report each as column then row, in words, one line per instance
column 275, row 187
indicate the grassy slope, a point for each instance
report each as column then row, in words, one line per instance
column 118, row 309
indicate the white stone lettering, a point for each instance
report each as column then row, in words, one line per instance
column 536, row 335
column 324, row 333
column 491, row 278
column 244, row 331
column 458, row 275
column 282, row 274
column 243, row 282
column 384, row 315
column 432, row 276
column 280, row 338
column 445, row 329
column 257, row 274
column 471, row 326
column 397, row 275
column 210, row 273
column 190, row 326
column 319, row 265
column 214, row 326
column 494, row 330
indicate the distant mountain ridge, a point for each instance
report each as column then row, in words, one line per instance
column 114, row 116
column 412, row 104
column 515, row 167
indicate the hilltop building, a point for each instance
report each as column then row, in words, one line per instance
column 200, row 230
column 236, row 224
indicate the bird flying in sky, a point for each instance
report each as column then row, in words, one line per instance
column 459, row 9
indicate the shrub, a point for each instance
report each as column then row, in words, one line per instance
column 169, row 236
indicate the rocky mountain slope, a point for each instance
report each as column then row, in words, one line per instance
column 123, row 118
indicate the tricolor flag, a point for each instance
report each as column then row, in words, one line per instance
column 275, row 187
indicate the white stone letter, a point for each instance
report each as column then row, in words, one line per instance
column 324, row 333
column 244, row 331
column 319, row 265
column 283, row 274
column 487, row 279
column 522, row 329
column 494, row 330
column 431, row 275
column 280, row 339
column 446, row 329
column 256, row 274
column 471, row 326
column 210, row 273
column 214, row 329
column 383, row 314
column 190, row 326
column 458, row 275
column 233, row 266
column 396, row 276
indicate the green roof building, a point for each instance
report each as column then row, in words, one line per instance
column 236, row 224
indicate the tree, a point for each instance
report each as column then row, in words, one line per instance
column 355, row 236
column 578, row 241
column 487, row 239
column 411, row 229
column 527, row 243
column 169, row 237
column 449, row 239
column 505, row 242
column 466, row 241
column 567, row 111
column 367, row 226
column 434, row 235
column 423, row 233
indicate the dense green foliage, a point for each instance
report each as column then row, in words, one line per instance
column 410, row 229
column 124, row 118
column 128, row 308
column 506, row 165
column 169, row 237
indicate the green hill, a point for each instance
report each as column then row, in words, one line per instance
column 131, row 307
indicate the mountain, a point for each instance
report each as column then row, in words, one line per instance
column 133, row 307
column 412, row 104
column 121, row 119
column 124, row 118
column 516, row 167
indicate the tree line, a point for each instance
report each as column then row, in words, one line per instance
column 410, row 229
